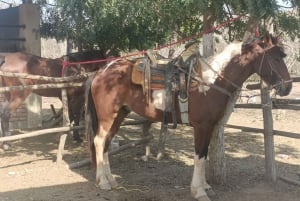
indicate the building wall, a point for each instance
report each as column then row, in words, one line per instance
column 9, row 17
column 27, row 40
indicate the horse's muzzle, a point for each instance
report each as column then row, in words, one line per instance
column 283, row 88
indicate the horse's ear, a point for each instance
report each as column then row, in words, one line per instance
column 268, row 39
column 279, row 39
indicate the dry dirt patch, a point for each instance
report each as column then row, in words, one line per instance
column 27, row 172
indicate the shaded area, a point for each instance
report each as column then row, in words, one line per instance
column 28, row 173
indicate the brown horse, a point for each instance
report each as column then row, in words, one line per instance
column 30, row 64
column 112, row 94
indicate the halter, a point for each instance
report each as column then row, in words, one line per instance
column 282, row 82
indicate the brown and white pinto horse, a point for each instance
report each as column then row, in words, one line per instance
column 112, row 95
column 30, row 64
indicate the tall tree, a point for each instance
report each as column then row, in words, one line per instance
column 140, row 24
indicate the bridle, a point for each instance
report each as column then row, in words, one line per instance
column 273, row 69
column 192, row 74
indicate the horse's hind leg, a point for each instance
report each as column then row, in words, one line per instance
column 146, row 127
column 107, row 129
column 75, row 118
column 75, row 114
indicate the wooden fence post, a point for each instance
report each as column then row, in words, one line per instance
column 270, row 165
column 217, row 162
column 66, row 122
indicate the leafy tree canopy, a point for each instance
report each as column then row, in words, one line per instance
column 140, row 24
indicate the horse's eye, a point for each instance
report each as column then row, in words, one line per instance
column 283, row 54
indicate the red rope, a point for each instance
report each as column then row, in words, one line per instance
column 66, row 63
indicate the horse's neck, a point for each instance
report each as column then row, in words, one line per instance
column 235, row 74
column 211, row 68
column 54, row 66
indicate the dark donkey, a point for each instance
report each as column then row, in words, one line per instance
column 112, row 95
column 35, row 65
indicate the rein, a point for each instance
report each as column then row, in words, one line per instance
column 212, row 85
column 198, row 79
column 221, row 76
column 191, row 75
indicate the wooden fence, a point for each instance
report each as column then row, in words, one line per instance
column 74, row 81
column 267, row 104
column 62, row 83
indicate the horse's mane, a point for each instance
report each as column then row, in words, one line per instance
column 219, row 62
column 86, row 55
column 212, row 66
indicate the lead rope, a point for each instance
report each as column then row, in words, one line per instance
column 199, row 80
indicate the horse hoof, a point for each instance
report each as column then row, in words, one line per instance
column 78, row 140
column 210, row 192
column 113, row 183
column 106, row 186
column 144, row 158
column 6, row 146
column 203, row 198
column 159, row 156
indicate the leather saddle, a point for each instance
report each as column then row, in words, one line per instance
column 149, row 72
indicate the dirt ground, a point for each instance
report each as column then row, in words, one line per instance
column 28, row 172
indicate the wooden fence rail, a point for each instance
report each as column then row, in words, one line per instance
column 286, row 106
column 45, row 78
column 41, row 86
column 260, row 130
column 40, row 132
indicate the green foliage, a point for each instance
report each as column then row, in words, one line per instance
column 125, row 25
column 289, row 24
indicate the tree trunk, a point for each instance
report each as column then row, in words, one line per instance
column 216, row 152
column 217, row 162
column 208, row 45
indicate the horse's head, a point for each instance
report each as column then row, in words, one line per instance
column 267, row 57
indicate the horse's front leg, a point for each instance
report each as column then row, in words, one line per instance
column 76, row 134
column 5, row 116
column 75, row 114
column 199, row 185
column 104, row 178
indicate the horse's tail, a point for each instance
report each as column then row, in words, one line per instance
column 91, row 120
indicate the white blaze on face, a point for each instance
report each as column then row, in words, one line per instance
column 212, row 66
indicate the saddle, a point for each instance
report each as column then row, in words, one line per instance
column 149, row 72
column 154, row 72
